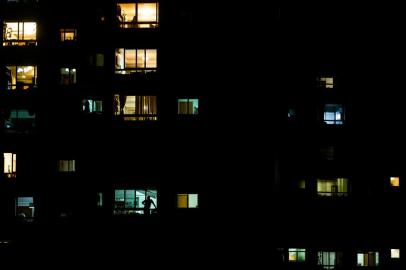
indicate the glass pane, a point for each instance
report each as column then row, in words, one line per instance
column 129, row 107
column 30, row 31
column 127, row 12
column 26, row 74
column 182, row 200
column 154, row 197
column 360, row 259
column 151, row 58
column 119, row 195
column 140, row 197
column 301, row 256
column 292, row 256
column 8, row 162
column 130, row 59
column 140, row 58
column 147, row 12
column 193, row 201
column 130, row 198
column 25, row 201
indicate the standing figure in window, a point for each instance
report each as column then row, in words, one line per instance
column 147, row 205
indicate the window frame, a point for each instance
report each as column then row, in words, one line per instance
column 135, row 23
column 335, row 121
column 136, row 69
column 13, row 172
column 20, row 41
column 366, row 257
column 188, row 200
column 119, row 109
column 129, row 211
column 296, row 252
column 72, row 76
column 188, row 100
column 25, row 86
column 65, row 30
column 71, row 165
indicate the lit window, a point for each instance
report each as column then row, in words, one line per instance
column 188, row 106
column 20, row 34
column 329, row 260
column 394, row 181
column 326, row 82
column 25, row 207
column 136, row 108
column 135, row 60
column 297, row 255
column 68, row 34
column 92, row 106
column 10, row 165
column 20, row 119
column 138, row 15
column 68, row 76
column 188, row 200
column 334, row 114
column 66, row 166
column 135, row 201
column 395, row 253
column 99, row 199
column 333, row 188
column 21, row 77
column 368, row 259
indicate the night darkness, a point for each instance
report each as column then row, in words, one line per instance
column 265, row 136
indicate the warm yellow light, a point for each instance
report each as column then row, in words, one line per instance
column 394, row 181
column 30, row 28
column 147, row 12
column 395, row 253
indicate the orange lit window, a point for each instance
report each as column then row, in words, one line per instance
column 20, row 34
column 21, row 77
column 136, row 60
column 10, row 164
column 68, row 34
column 394, row 181
column 138, row 15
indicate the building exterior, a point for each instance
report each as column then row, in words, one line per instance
column 104, row 126
column 139, row 129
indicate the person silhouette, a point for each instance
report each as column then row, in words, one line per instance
column 147, row 205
